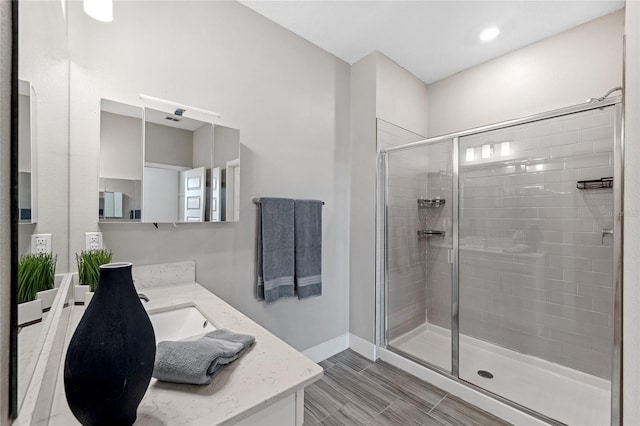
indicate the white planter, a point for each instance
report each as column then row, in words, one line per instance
column 30, row 312
column 47, row 297
column 87, row 298
column 78, row 293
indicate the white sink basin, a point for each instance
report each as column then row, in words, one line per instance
column 181, row 322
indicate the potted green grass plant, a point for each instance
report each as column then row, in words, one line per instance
column 89, row 272
column 36, row 281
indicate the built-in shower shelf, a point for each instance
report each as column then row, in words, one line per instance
column 430, row 202
column 429, row 233
column 606, row 182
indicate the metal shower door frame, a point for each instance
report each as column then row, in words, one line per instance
column 382, row 277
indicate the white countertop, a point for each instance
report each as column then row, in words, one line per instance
column 267, row 372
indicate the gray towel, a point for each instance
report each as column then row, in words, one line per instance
column 308, row 231
column 275, row 249
column 198, row 362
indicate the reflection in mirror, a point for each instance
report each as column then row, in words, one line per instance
column 177, row 168
column 120, row 174
column 191, row 170
column 27, row 172
column 43, row 185
column 31, row 317
column 226, row 160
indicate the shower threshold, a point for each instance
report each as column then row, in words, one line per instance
column 567, row 395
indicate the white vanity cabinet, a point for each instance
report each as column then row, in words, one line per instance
column 264, row 387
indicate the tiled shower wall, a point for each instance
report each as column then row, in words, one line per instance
column 407, row 293
column 535, row 270
column 438, row 269
column 424, row 172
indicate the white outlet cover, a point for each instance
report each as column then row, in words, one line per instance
column 93, row 241
column 41, row 243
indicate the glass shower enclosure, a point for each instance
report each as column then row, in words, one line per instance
column 497, row 256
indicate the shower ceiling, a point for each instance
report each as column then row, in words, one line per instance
column 431, row 39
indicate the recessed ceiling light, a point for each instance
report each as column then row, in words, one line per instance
column 489, row 34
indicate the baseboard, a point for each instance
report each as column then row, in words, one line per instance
column 328, row 349
column 363, row 347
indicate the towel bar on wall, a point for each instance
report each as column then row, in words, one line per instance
column 257, row 201
column 605, row 182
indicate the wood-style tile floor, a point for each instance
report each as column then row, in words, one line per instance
column 356, row 391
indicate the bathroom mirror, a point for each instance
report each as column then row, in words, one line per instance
column 27, row 153
column 161, row 167
column 120, row 169
column 191, row 170
column 42, row 169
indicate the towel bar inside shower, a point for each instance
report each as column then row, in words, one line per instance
column 606, row 182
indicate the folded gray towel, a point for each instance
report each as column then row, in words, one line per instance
column 199, row 361
column 308, row 238
column 275, row 249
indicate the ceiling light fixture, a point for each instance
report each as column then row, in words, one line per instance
column 488, row 34
column 505, row 149
column 101, row 10
column 470, row 154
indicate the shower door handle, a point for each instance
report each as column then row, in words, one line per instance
column 606, row 233
column 450, row 256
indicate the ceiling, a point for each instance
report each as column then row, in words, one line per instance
column 431, row 39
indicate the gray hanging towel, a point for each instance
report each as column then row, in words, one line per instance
column 308, row 230
column 275, row 249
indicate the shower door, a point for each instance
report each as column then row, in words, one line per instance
column 419, row 213
column 501, row 260
column 536, row 291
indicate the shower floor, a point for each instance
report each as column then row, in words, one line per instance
column 564, row 394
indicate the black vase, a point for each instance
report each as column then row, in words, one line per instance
column 111, row 354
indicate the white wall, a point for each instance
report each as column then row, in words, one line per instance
column 290, row 101
column 168, row 145
column 363, row 198
column 202, row 146
column 401, row 98
column 562, row 70
column 380, row 89
column 120, row 146
column 631, row 313
column 43, row 61
column 226, row 145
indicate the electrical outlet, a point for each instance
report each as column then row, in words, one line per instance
column 40, row 243
column 93, row 241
